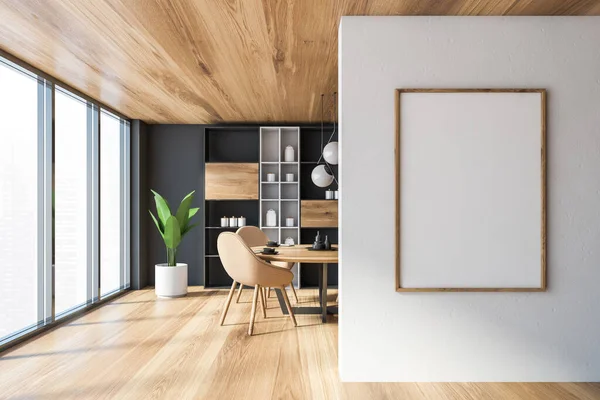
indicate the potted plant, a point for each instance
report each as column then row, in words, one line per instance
column 171, row 277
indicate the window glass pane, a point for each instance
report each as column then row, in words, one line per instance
column 70, row 201
column 111, row 204
column 18, row 201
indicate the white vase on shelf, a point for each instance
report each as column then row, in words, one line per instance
column 289, row 154
column 271, row 218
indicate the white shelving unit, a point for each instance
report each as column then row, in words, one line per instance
column 281, row 196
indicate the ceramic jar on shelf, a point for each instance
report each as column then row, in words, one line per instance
column 271, row 218
column 289, row 154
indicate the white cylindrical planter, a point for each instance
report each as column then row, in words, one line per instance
column 171, row 281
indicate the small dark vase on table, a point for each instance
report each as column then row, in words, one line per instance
column 320, row 244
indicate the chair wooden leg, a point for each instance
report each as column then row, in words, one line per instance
column 237, row 300
column 294, row 291
column 231, row 291
column 268, row 293
column 289, row 307
column 253, row 312
column 262, row 302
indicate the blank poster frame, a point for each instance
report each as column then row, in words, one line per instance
column 543, row 249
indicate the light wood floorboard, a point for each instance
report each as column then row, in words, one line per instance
column 138, row 347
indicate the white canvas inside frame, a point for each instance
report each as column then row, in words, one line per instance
column 470, row 190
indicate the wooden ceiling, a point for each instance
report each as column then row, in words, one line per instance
column 210, row 61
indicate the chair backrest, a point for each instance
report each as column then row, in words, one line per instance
column 253, row 236
column 243, row 266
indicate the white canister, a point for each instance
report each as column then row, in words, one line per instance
column 289, row 221
column 289, row 177
column 241, row 221
column 271, row 218
column 335, row 195
column 289, row 241
column 233, row 222
column 328, row 194
column 288, row 155
column 224, row 222
column 270, row 177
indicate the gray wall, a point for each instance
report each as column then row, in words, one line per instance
column 389, row 336
column 175, row 167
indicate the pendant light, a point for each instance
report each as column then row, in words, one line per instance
column 330, row 152
column 321, row 175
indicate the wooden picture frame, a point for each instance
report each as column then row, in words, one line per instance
column 398, row 218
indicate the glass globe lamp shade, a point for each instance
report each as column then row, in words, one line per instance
column 321, row 176
column 330, row 153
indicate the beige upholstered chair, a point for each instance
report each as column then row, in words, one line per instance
column 253, row 236
column 246, row 268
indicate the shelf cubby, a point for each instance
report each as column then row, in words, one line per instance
column 290, row 209
column 215, row 209
column 269, row 168
column 269, row 191
column 289, row 192
column 269, row 145
column 234, row 145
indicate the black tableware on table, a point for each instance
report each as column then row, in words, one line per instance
column 268, row 250
column 272, row 243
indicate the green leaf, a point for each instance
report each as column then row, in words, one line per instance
column 192, row 212
column 162, row 208
column 184, row 209
column 158, row 224
column 157, row 194
column 172, row 235
column 186, row 229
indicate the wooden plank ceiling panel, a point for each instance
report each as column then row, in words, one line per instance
column 210, row 61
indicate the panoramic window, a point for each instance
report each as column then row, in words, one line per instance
column 64, row 202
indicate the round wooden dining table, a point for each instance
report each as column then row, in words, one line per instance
column 301, row 253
